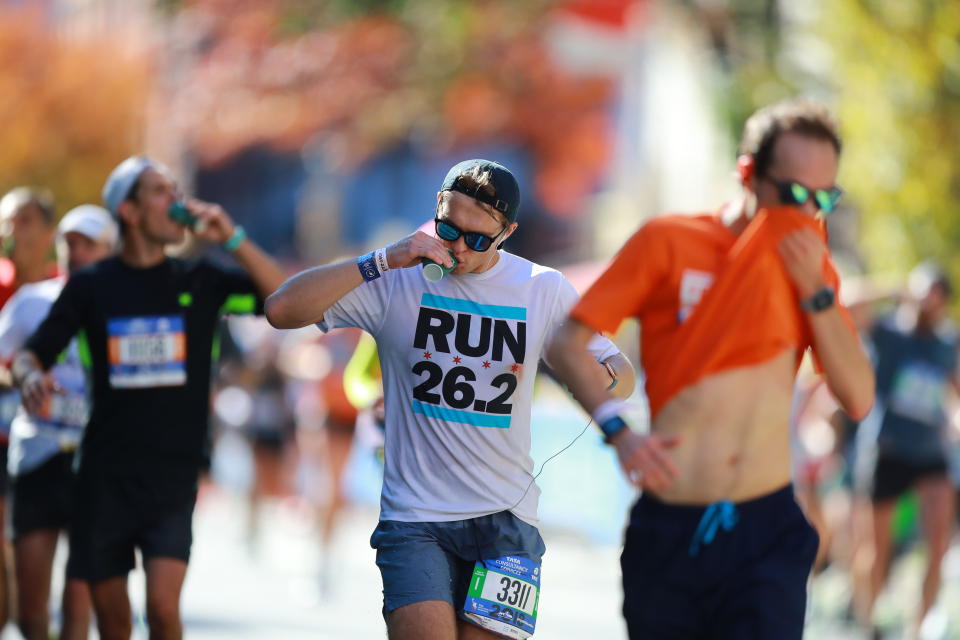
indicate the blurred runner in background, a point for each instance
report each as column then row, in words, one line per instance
column 254, row 399
column 27, row 229
column 363, row 384
column 324, row 418
column 903, row 443
column 149, row 321
column 42, row 446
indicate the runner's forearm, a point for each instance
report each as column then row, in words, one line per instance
column 573, row 364
column 303, row 299
column 845, row 365
column 265, row 272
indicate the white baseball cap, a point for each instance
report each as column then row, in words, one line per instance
column 92, row 221
column 122, row 178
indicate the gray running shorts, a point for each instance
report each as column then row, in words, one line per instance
column 422, row 561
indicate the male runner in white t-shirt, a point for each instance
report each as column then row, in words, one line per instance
column 456, row 542
column 42, row 446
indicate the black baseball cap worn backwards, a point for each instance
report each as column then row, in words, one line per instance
column 506, row 191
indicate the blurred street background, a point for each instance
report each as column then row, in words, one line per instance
column 325, row 127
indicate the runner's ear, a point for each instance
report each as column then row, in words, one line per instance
column 513, row 227
column 746, row 165
column 128, row 213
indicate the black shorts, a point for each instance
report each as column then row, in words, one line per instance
column 119, row 513
column 43, row 498
column 727, row 571
column 893, row 477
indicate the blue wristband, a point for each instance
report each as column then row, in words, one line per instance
column 368, row 267
column 611, row 427
column 233, row 242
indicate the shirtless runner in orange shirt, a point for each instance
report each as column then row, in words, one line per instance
column 727, row 302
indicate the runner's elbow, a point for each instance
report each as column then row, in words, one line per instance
column 858, row 412
column 277, row 308
column 859, row 403
column 558, row 349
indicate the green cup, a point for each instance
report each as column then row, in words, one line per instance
column 179, row 213
column 434, row 272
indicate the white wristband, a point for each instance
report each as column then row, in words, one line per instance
column 381, row 257
column 609, row 409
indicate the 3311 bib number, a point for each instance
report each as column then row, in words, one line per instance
column 504, row 595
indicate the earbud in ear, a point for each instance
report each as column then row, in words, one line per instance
column 745, row 167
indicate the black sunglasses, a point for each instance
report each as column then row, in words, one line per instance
column 796, row 193
column 473, row 239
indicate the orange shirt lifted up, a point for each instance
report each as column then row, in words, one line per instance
column 707, row 299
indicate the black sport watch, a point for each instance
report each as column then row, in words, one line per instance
column 820, row 301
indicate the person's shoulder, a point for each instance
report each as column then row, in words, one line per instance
column 33, row 298
column 539, row 275
column 200, row 271
column 947, row 332
column 46, row 289
column 106, row 268
column 111, row 264
column 893, row 323
column 514, row 264
column 192, row 265
column 682, row 223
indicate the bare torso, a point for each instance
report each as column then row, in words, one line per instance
column 734, row 428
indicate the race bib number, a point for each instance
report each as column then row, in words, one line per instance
column 918, row 393
column 504, row 595
column 9, row 404
column 147, row 352
column 69, row 410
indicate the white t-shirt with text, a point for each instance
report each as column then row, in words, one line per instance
column 459, row 358
column 59, row 427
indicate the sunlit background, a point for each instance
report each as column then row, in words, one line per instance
column 325, row 128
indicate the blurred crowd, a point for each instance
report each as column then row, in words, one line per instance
column 323, row 130
column 296, row 405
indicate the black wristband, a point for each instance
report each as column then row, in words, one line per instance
column 611, row 427
column 820, row 301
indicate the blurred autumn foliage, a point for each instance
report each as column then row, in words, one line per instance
column 214, row 77
column 70, row 107
column 366, row 78
column 897, row 76
column 891, row 71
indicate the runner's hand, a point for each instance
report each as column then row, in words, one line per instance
column 803, row 253
column 408, row 251
column 644, row 459
column 213, row 225
column 35, row 390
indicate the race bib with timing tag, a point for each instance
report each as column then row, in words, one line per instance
column 503, row 596
column 147, row 352
column 918, row 392
column 9, row 404
column 69, row 410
